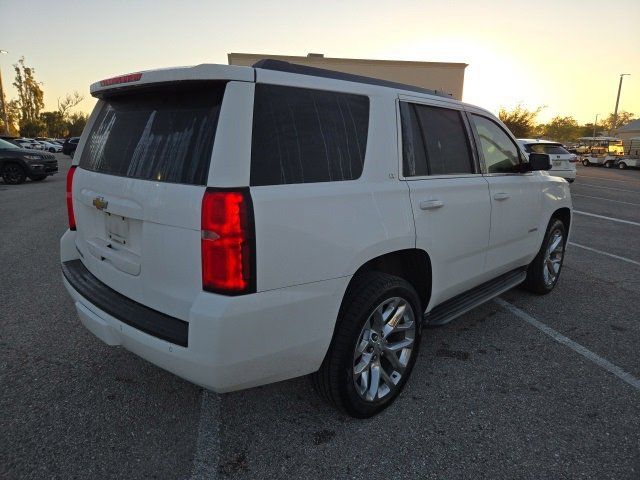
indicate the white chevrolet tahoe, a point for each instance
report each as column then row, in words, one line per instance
column 239, row 226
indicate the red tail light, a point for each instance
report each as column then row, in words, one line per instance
column 228, row 242
column 72, row 218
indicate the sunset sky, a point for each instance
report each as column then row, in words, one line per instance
column 566, row 55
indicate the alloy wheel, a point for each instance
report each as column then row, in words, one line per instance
column 384, row 349
column 553, row 257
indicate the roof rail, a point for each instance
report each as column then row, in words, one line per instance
column 281, row 66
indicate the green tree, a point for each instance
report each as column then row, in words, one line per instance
column 55, row 124
column 521, row 121
column 13, row 115
column 586, row 130
column 30, row 99
column 76, row 123
column 68, row 102
column 623, row 118
column 33, row 128
column 562, row 129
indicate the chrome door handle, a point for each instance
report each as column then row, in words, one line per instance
column 501, row 196
column 431, row 204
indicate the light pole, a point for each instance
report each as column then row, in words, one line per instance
column 4, row 101
column 615, row 113
column 594, row 124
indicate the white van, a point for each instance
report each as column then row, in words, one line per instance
column 239, row 226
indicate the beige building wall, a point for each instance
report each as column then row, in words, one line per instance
column 445, row 77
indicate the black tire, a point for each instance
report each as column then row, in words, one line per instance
column 608, row 164
column 622, row 165
column 535, row 281
column 335, row 379
column 38, row 178
column 585, row 162
column 14, row 174
column 52, row 150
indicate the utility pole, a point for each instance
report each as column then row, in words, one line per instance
column 594, row 124
column 615, row 113
column 4, row 102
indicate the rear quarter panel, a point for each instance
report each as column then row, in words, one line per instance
column 318, row 231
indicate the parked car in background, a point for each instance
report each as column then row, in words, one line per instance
column 28, row 143
column 563, row 162
column 335, row 215
column 17, row 164
column 51, row 146
column 69, row 146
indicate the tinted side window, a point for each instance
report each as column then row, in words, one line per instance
column 434, row 141
column 500, row 153
column 305, row 136
column 414, row 160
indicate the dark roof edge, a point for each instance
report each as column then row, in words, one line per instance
column 281, row 66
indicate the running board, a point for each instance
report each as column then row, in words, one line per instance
column 461, row 304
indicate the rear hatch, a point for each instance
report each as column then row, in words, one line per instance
column 561, row 158
column 138, row 191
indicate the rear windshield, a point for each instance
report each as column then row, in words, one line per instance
column 162, row 135
column 548, row 148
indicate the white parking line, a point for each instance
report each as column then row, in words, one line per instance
column 617, row 257
column 606, row 188
column 619, row 220
column 609, row 179
column 207, row 456
column 576, row 347
column 606, row 199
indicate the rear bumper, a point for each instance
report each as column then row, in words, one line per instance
column 233, row 342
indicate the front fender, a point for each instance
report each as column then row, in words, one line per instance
column 556, row 194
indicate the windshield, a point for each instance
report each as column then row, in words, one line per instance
column 5, row 144
column 548, row 148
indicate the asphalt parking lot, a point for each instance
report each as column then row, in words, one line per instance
column 499, row 393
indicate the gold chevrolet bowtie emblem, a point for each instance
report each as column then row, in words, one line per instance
column 100, row 203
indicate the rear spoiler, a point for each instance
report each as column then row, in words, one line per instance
column 172, row 75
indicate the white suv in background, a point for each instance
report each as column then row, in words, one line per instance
column 563, row 162
column 239, row 226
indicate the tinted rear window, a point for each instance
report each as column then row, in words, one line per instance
column 305, row 136
column 548, row 148
column 162, row 135
column 434, row 141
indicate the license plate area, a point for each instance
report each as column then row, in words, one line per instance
column 117, row 228
column 557, row 163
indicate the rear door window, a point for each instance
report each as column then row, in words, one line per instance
column 164, row 135
column 434, row 141
column 302, row 135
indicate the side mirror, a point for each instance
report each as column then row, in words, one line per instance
column 538, row 161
